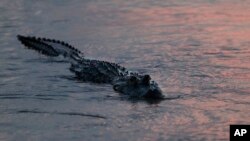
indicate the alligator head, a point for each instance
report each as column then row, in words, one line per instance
column 138, row 86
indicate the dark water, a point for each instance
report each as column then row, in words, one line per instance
column 199, row 49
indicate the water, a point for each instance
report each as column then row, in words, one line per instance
column 198, row 49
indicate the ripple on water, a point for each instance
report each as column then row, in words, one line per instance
column 198, row 50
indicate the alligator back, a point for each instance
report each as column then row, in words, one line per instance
column 97, row 71
column 85, row 69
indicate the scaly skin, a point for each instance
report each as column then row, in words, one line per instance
column 123, row 81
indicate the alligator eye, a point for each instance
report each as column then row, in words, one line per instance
column 146, row 79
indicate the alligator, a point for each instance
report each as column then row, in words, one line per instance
column 126, row 82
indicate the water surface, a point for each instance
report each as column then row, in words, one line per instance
column 197, row 49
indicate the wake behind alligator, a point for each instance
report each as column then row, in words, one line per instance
column 124, row 81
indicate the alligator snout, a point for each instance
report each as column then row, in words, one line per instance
column 155, row 94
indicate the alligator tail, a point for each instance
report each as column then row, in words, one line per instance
column 51, row 47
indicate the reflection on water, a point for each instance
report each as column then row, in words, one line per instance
column 196, row 49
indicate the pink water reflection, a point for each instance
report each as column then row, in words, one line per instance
column 224, row 32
